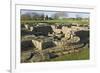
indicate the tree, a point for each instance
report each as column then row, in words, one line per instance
column 42, row 16
column 25, row 17
column 46, row 17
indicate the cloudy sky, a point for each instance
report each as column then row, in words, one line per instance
column 51, row 13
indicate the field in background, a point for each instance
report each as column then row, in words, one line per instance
column 60, row 21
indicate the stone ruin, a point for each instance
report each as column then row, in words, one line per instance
column 71, row 41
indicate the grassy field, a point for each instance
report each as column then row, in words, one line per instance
column 82, row 55
column 56, row 21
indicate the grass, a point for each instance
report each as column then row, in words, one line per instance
column 55, row 21
column 82, row 55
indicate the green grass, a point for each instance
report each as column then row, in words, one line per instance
column 55, row 21
column 82, row 55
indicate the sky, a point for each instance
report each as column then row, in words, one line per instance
column 51, row 13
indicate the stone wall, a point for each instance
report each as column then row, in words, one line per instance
column 38, row 44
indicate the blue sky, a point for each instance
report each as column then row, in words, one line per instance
column 51, row 13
